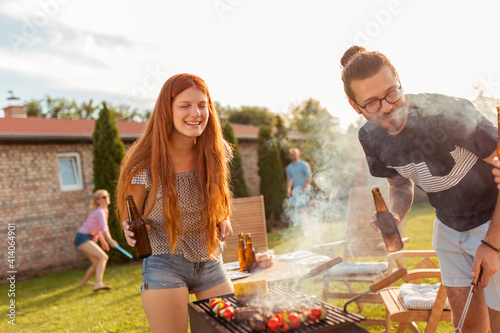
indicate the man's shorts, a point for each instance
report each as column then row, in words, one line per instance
column 299, row 199
column 456, row 251
column 166, row 272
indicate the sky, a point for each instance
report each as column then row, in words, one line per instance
column 273, row 54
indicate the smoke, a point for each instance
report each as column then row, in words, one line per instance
column 332, row 158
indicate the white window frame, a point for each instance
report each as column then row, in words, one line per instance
column 77, row 170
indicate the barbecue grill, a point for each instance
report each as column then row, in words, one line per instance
column 203, row 320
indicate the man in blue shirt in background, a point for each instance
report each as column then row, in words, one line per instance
column 298, row 178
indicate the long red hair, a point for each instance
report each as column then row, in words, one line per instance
column 153, row 150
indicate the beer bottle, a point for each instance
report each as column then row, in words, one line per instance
column 386, row 223
column 241, row 252
column 498, row 142
column 250, row 255
column 138, row 227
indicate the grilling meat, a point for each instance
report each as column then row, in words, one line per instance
column 245, row 313
column 257, row 322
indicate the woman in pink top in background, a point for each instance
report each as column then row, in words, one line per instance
column 94, row 228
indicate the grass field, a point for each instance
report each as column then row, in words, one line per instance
column 57, row 303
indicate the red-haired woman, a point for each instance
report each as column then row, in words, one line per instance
column 178, row 174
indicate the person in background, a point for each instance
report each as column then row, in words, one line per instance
column 178, row 174
column 298, row 179
column 93, row 229
column 446, row 147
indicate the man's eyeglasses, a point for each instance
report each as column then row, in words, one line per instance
column 392, row 97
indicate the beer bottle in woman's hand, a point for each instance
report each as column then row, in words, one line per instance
column 386, row 223
column 138, row 227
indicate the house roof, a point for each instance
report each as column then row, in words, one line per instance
column 52, row 129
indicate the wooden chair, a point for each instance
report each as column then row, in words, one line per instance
column 361, row 243
column 248, row 217
column 396, row 308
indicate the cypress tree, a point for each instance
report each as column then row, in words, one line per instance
column 282, row 141
column 108, row 153
column 272, row 184
column 239, row 186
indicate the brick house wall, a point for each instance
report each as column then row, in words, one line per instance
column 249, row 157
column 45, row 218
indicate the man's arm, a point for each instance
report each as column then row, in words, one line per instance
column 400, row 196
column 485, row 257
column 289, row 184
column 306, row 184
column 400, row 199
column 307, row 172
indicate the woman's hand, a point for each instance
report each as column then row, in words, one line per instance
column 104, row 244
column 129, row 235
column 224, row 230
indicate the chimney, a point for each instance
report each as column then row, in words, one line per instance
column 14, row 110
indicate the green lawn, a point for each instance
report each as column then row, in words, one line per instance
column 57, row 303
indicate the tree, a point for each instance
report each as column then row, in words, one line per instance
column 250, row 115
column 62, row 108
column 108, row 153
column 272, row 184
column 487, row 105
column 124, row 112
column 282, row 141
column 323, row 147
column 239, row 186
column 86, row 110
column 34, row 108
column 319, row 130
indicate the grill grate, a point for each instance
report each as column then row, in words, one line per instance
column 336, row 318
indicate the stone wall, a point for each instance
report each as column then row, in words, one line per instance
column 45, row 218
column 249, row 157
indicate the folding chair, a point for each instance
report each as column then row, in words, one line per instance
column 399, row 307
column 248, row 217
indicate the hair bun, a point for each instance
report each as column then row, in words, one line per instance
column 351, row 53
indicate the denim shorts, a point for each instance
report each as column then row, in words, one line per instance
column 82, row 239
column 456, row 251
column 166, row 272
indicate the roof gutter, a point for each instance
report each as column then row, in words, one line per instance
column 37, row 137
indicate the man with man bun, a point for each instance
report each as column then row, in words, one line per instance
column 446, row 147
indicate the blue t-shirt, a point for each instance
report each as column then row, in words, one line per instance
column 441, row 149
column 299, row 172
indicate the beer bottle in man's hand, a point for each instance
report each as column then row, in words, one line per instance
column 386, row 223
column 241, row 252
column 250, row 255
column 138, row 227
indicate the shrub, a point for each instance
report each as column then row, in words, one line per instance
column 238, row 184
column 108, row 153
column 272, row 183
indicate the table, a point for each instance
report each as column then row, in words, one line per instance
column 290, row 271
